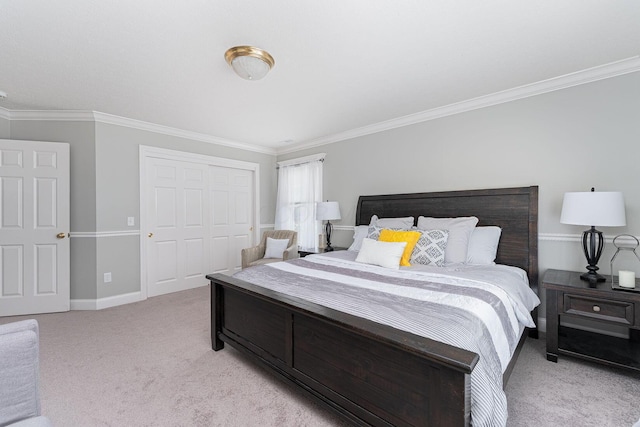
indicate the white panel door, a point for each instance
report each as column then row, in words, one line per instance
column 232, row 196
column 177, row 206
column 34, row 227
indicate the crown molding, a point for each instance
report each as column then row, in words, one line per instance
column 166, row 130
column 98, row 117
column 614, row 69
column 53, row 115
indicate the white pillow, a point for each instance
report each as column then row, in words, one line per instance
column 384, row 254
column 430, row 248
column 483, row 245
column 399, row 223
column 359, row 234
column 276, row 247
column 459, row 233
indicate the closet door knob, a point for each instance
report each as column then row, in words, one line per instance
column 596, row 308
column 150, row 234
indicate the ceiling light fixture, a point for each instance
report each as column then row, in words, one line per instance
column 250, row 63
column 3, row 94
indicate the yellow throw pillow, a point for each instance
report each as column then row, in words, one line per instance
column 411, row 237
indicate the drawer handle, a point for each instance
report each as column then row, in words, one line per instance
column 596, row 308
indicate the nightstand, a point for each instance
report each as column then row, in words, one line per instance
column 570, row 297
column 303, row 252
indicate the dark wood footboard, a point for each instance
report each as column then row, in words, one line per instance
column 370, row 373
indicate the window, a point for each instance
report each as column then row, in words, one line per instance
column 299, row 189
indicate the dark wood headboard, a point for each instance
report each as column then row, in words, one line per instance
column 515, row 210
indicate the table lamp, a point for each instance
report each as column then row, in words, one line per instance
column 594, row 209
column 328, row 211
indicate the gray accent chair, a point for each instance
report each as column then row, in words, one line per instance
column 255, row 255
column 19, row 371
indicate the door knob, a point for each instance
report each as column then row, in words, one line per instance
column 150, row 234
column 60, row 235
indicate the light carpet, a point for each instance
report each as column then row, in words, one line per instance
column 151, row 364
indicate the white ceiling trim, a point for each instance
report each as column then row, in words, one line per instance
column 606, row 71
column 166, row 130
column 53, row 115
column 95, row 116
column 589, row 75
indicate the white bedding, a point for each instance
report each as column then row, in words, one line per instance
column 510, row 284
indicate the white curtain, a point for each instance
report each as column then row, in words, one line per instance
column 299, row 189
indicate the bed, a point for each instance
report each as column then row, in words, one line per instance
column 367, row 371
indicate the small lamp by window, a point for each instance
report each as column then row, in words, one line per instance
column 595, row 209
column 328, row 211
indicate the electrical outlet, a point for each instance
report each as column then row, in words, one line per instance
column 107, row 277
column 131, row 221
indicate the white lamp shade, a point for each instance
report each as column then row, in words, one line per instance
column 594, row 208
column 327, row 211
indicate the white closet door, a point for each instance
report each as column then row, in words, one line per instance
column 34, row 227
column 232, row 198
column 177, row 225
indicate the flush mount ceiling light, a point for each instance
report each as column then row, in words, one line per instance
column 250, row 63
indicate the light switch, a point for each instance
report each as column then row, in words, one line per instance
column 131, row 221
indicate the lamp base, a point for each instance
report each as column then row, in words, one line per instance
column 592, row 244
column 593, row 278
column 327, row 230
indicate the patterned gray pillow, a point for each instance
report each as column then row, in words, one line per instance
column 374, row 231
column 430, row 248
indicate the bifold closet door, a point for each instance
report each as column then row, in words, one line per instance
column 232, row 198
column 177, row 209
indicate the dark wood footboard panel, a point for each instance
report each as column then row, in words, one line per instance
column 370, row 373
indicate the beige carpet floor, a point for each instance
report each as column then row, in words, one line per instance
column 151, row 364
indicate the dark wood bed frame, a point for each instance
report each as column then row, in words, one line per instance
column 370, row 373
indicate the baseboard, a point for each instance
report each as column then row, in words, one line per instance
column 101, row 303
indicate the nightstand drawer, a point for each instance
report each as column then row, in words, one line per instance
column 601, row 309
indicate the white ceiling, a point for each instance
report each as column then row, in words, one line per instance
column 340, row 64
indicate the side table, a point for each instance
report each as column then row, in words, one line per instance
column 570, row 297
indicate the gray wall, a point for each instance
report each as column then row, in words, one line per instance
column 5, row 130
column 81, row 138
column 118, row 195
column 568, row 140
column 105, row 191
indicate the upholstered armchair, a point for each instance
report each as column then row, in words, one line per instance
column 19, row 371
column 255, row 255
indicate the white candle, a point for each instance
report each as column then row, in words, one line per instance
column 627, row 279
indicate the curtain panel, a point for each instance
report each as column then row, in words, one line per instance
column 299, row 189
